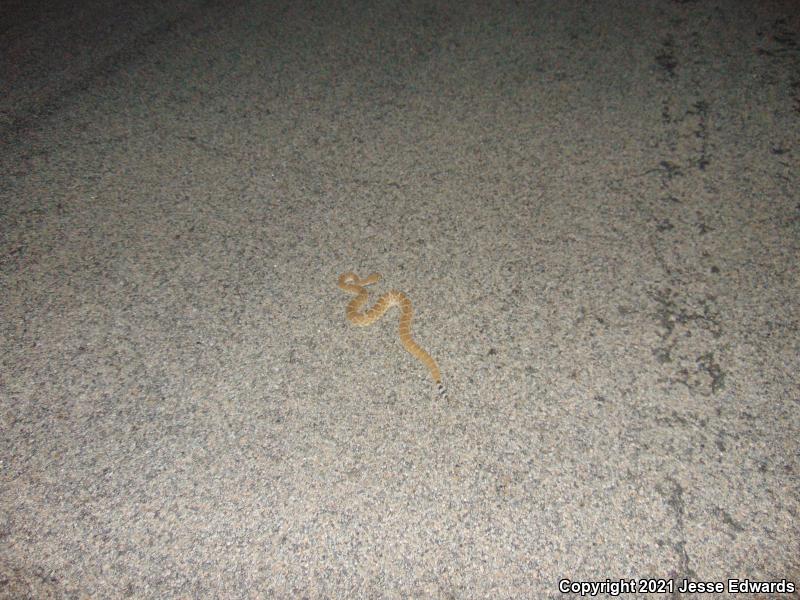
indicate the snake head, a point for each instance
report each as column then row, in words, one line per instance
column 351, row 278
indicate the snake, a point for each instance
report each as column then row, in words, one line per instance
column 352, row 283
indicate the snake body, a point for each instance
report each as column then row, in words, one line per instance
column 350, row 282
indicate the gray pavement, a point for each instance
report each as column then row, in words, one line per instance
column 593, row 206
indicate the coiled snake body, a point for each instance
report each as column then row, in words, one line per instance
column 352, row 283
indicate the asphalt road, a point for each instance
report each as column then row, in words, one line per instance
column 592, row 206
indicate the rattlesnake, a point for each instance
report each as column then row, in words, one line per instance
column 352, row 283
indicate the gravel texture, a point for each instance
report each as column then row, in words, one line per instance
column 593, row 206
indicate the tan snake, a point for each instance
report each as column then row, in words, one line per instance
column 352, row 283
